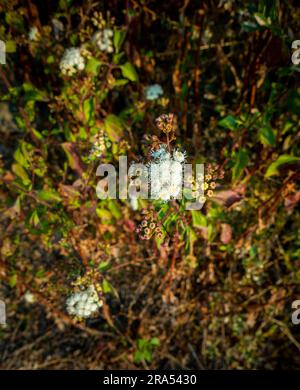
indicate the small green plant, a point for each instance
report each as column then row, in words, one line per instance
column 145, row 349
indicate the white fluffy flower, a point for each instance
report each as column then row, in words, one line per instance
column 33, row 34
column 161, row 153
column 134, row 203
column 179, row 156
column 166, row 174
column 84, row 303
column 29, row 297
column 72, row 61
column 166, row 179
column 103, row 40
column 153, row 92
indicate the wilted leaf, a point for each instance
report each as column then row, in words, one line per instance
column 114, row 127
column 74, row 160
column 226, row 233
column 291, row 201
column 68, row 191
column 227, row 198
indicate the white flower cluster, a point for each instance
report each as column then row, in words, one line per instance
column 83, row 304
column 100, row 145
column 29, row 297
column 103, row 40
column 165, row 172
column 72, row 61
column 33, row 34
column 153, row 92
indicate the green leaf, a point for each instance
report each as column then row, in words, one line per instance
column 120, row 82
column 117, row 58
column 34, row 219
column 88, row 109
column 192, row 237
column 129, row 72
column 199, row 220
column 119, row 37
column 142, row 344
column 210, row 232
column 93, row 66
column 32, row 93
column 267, row 136
column 261, row 20
column 114, row 127
column 10, row 47
column 21, row 173
column 20, row 158
column 240, row 163
column 37, row 134
column 154, row 342
column 283, row 159
column 50, row 59
column 104, row 265
column 12, row 281
column 48, row 196
column 229, row 122
column 147, row 356
column 138, row 356
column 107, row 288
column 105, row 215
column 114, row 209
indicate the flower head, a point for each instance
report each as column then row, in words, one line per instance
column 166, row 175
column 166, row 122
column 103, row 40
column 179, row 156
column 153, row 92
column 72, row 61
column 83, row 304
column 29, row 297
column 33, row 34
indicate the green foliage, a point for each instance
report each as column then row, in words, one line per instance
column 145, row 349
column 129, row 72
column 281, row 160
